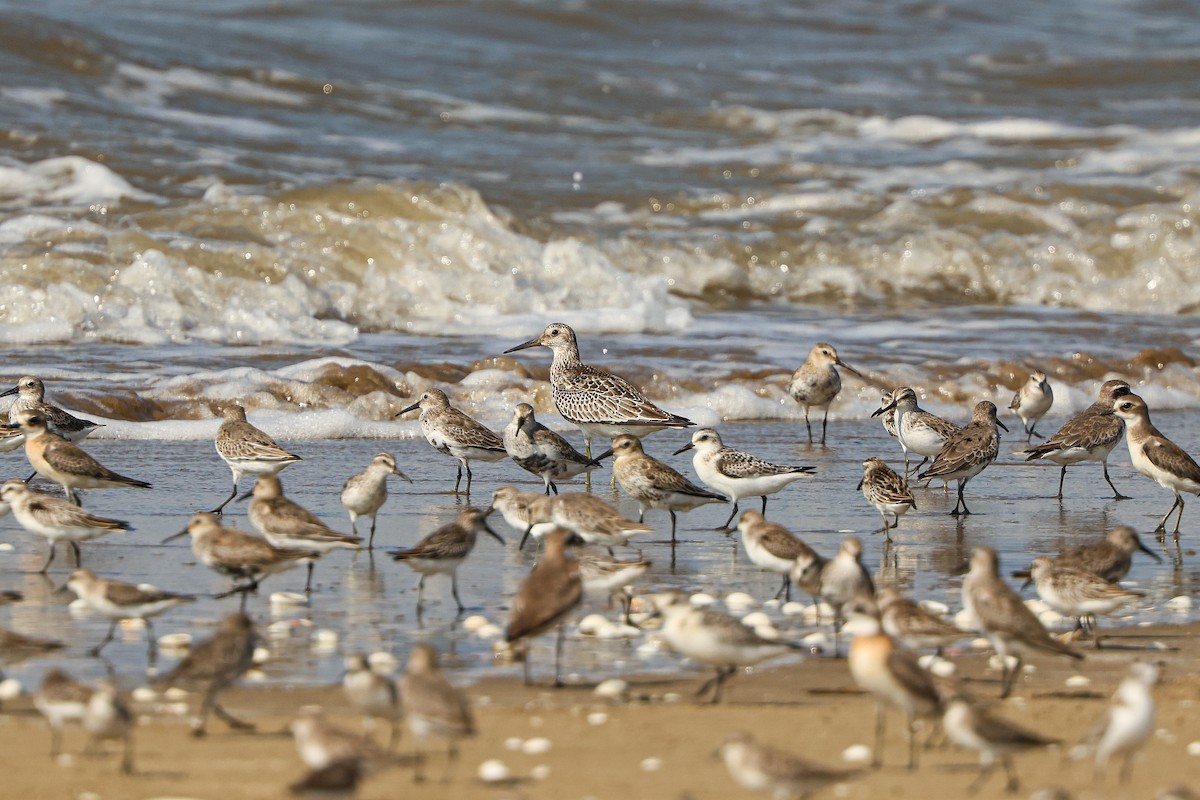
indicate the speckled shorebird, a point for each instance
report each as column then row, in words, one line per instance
column 247, row 450
column 118, row 601
column 31, row 397
column 1111, row 557
column 887, row 491
column 968, row 452
column 1128, row 723
column 608, row 578
column 542, row 452
column 99, row 709
column 66, row 463
column 816, row 383
column 969, row 725
column 1004, row 619
column 549, row 593
column 1032, row 401
column 441, row 552
column 54, row 519
column 1157, row 457
column 1090, row 435
column 1076, row 593
column 16, row 648
column 106, row 717
column 654, row 484
column 289, row 526
column 595, row 521
column 514, row 506
column 432, row 706
column 912, row 625
column 887, row 414
column 600, row 403
column 714, row 638
column 452, row 432
column 365, row 493
column 754, row 765
column 843, row 579
column 60, row 700
column 773, row 547
column 216, row 664
column 892, row 674
column 735, row 474
column 373, row 694
column 917, row 430
column 237, row 554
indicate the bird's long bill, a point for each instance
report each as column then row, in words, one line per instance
column 1149, row 552
column 13, row 390
column 404, row 411
column 684, row 449
column 495, row 535
column 1025, row 585
column 175, row 536
column 1002, row 425
column 850, row 369
column 860, row 483
column 534, row 342
column 887, row 408
column 601, row 457
column 11, row 426
column 397, row 471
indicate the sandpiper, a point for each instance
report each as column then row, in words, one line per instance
column 452, row 432
column 912, row 625
column 64, row 462
column 54, row 519
column 917, row 430
column 736, row 474
column 593, row 520
column 887, row 413
column 1156, row 456
column 118, row 601
column 754, row 765
column 887, row 491
column 321, row 744
column 547, row 595
column 542, row 452
column 216, row 664
column 606, row 577
column 1032, row 401
column 816, row 382
column 1110, row 557
column 1128, row 723
column 1090, row 435
column 432, row 706
column 441, row 552
column 514, row 505
column 968, row 452
column 1006, row 621
column 842, row 579
column 289, row 526
column 106, row 717
column 892, row 674
column 31, row 397
column 600, row 403
column 996, row 739
column 1076, row 593
column 773, row 547
column 237, row 554
column 10, row 438
column 16, row 648
column 709, row 636
column 60, row 700
column 365, row 493
column 373, row 694
column 247, row 450
column 654, row 484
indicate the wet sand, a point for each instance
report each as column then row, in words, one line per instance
column 809, row 708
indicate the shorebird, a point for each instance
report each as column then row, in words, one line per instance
column 31, row 397
column 968, row 452
column 1157, row 457
column 736, row 474
column 608, row 578
column 1006, row 621
column 714, row 638
column 887, row 413
column 216, row 664
column 60, row 700
column 10, row 438
column 773, row 547
column 1075, row 593
column 432, row 706
column 1032, row 401
column 236, row 554
column 247, row 450
column 842, row 579
column 593, row 520
column 1110, row 557
column 1090, row 435
column 917, row 430
column 289, row 526
column 365, row 493
column 118, row 601
column 754, row 765
column 441, row 552
column 996, row 739
column 514, row 505
column 16, row 648
column 887, row 491
column 1128, row 723
column 816, row 382
column 55, row 520
column 911, row 625
column 654, row 484
column 542, row 452
column 321, row 744
column 600, row 403
column 106, row 717
column 372, row 694
column 550, row 592
column 892, row 674
column 452, row 432
column 65, row 463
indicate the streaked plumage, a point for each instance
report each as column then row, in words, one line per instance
column 542, row 452
column 1032, row 401
column 757, row 766
column 1157, row 457
column 736, row 474
column 289, row 526
column 593, row 520
column 773, row 547
column 547, row 595
column 917, row 430
column 432, row 706
column 1110, row 557
column 816, row 382
column 969, row 725
column 887, row 413
column 887, row 491
column 1128, row 723
column 913, row 626
column 372, row 694
column 117, row 601
column 968, row 452
column 452, row 432
column 654, row 484
column 442, row 551
column 247, row 450
column 1076, row 593
column 215, row 664
column 55, row 520
column 1090, row 435
column 365, row 493
column 31, row 397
